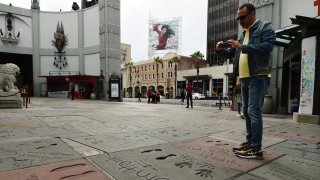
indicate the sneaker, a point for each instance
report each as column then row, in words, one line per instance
column 187, row 107
column 251, row 154
column 243, row 146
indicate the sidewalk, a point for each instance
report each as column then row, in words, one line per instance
column 91, row 139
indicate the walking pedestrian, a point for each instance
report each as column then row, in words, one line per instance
column 238, row 98
column 252, row 52
column 189, row 90
column 139, row 96
column 183, row 95
column 149, row 94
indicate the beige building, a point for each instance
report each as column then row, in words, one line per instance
column 210, row 81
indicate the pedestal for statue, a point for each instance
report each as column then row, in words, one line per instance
column 10, row 101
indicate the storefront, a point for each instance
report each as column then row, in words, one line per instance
column 301, row 67
column 59, row 86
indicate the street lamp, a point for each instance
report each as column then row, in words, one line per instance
column 136, row 70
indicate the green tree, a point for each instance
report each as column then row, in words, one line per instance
column 129, row 66
column 198, row 56
column 175, row 60
column 158, row 61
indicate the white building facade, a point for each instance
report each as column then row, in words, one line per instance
column 92, row 46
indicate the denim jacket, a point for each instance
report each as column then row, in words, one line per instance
column 261, row 40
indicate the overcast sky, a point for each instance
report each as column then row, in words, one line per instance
column 135, row 21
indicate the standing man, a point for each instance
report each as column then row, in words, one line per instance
column 139, row 96
column 189, row 89
column 149, row 94
column 252, row 52
column 72, row 90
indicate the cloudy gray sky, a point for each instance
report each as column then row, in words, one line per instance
column 135, row 16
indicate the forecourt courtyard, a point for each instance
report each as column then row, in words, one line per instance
column 93, row 140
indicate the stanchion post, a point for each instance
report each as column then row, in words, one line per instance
column 220, row 96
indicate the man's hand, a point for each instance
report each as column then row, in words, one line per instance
column 218, row 48
column 235, row 44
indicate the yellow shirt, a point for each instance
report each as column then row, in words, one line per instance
column 243, row 60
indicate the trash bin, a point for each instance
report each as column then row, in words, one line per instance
column 294, row 108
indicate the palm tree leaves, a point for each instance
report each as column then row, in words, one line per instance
column 197, row 55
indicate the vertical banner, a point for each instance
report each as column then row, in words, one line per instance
column 164, row 36
column 308, row 60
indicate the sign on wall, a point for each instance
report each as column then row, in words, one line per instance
column 164, row 36
column 114, row 90
column 307, row 75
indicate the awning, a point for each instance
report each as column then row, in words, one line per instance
column 287, row 35
column 199, row 77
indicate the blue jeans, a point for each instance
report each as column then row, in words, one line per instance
column 253, row 90
column 189, row 98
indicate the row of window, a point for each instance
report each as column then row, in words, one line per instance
column 219, row 2
column 223, row 11
column 147, row 77
column 149, row 67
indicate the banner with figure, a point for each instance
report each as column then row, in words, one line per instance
column 307, row 75
column 164, row 36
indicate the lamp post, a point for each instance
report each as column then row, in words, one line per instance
column 137, row 77
column 175, row 60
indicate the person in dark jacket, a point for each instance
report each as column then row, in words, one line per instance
column 183, row 95
column 189, row 90
column 252, row 52
column 149, row 94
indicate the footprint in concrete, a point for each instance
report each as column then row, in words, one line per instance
column 54, row 144
column 147, row 151
column 64, row 168
column 209, row 141
column 283, row 132
column 204, row 173
column 183, row 164
column 165, row 157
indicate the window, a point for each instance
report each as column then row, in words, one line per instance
column 145, row 68
column 169, row 74
column 162, row 66
column 217, row 87
column 152, row 76
column 145, row 77
column 153, row 67
column 149, row 67
column 170, row 65
column 149, row 76
column 162, row 75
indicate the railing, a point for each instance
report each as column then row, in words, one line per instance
column 63, row 73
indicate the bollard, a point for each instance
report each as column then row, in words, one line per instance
column 220, row 96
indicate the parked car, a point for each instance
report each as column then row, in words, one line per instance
column 198, row 96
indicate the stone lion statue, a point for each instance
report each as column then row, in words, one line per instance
column 7, row 77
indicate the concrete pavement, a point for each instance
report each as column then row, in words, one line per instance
column 91, row 139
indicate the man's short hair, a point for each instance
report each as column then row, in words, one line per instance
column 249, row 7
